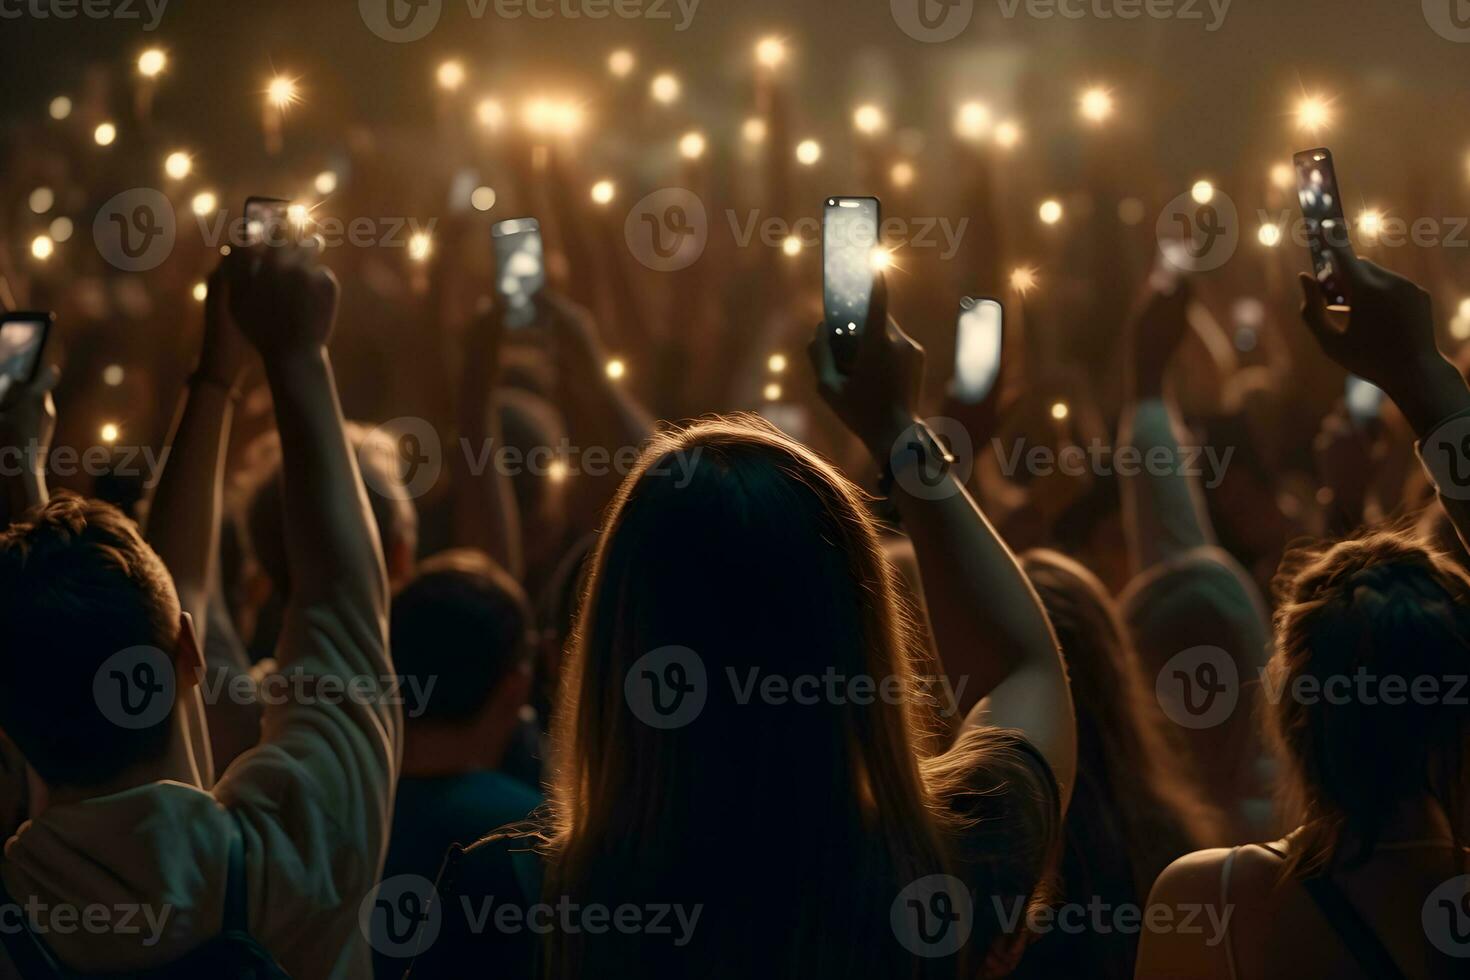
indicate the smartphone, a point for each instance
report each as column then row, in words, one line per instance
column 266, row 221
column 978, row 334
column 520, row 267
column 849, row 243
column 22, row 339
column 1321, row 201
column 1364, row 400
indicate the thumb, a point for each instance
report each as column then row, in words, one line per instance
column 829, row 379
column 46, row 381
column 1314, row 314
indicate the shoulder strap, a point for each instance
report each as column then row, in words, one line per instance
column 31, row 957
column 1354, row 931
column 237, row 905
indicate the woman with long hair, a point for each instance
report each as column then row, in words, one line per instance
column 1366, row 707
column 750, row 737
column 1136, row 806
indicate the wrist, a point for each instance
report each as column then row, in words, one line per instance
column 884, row 436
column 1435, row 391
column 288, row 363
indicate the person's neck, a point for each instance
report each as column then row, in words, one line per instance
column 175, row 765
column 436, row 749
column 1421, row 819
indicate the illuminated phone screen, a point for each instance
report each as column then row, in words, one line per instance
column 977, row 348
column 1321, row 202
column 21, row 341
column 266, row 220
column 520, row 267
column 849, row 244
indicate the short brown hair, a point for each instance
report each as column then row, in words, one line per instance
column 77, row 585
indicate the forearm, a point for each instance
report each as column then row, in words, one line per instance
column 184, row 518
column 1163, row 509
column 23, row 489
column 486, row 514
column 1439, row 411
column 332, row 546
column 987, row 620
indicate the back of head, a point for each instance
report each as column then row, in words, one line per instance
column 78, row 585
column 709, row 743
column 458, row 628
column 392, row 507
column 1134, row 803
column 1367, row 686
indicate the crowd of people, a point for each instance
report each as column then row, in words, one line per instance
column 768, row 668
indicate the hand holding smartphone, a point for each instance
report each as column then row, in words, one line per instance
column 979, row 332
column 520, row 268
column 849, row 245
column 1321, row 202
column 22, row 340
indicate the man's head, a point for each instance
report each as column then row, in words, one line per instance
column 78, row 586
column 459, row 636
column 393, row 509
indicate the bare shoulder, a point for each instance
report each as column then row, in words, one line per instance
column 1193, row 877
column 1184, row 935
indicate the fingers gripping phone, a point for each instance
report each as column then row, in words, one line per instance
column 267, row 220
column 1321, row 201
column 849, row 250
column 22, row 339
column 978, row 336
column 520, row 268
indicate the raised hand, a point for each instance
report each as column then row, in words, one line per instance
column 878, row 400
column 27, row 424
column 284, row 302
column 28, row 414
column 1157, row 328
column 1387, row 338
column 225, row 355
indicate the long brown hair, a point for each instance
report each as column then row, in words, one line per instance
column 1378, row 605
column 792, row 825
column 1125, row 753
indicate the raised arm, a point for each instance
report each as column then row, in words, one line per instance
column 184, row 517
column 1388, row 339
column 994, row 640
column 286, row 307
column 485, row 511
column 316, row 793
column 1163, row 508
